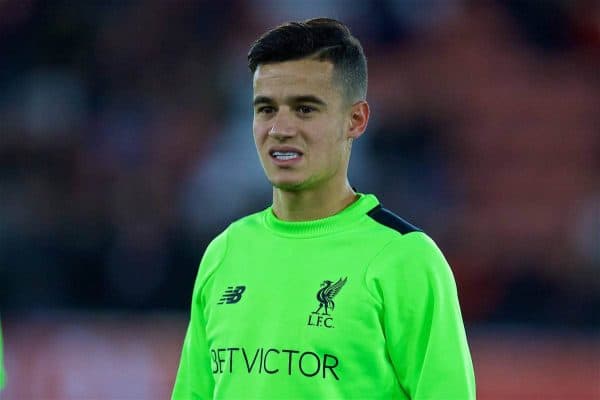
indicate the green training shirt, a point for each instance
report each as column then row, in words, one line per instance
column 359, row 305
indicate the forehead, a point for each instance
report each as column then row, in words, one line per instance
column 293, row 77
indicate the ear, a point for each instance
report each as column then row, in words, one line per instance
column 359, row 117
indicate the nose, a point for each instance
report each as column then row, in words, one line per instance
column 283, row 126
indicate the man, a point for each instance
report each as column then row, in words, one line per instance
column 325, row 294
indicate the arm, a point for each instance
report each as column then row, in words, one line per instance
column 194, row 380
column 423, row 326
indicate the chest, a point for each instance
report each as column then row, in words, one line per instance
column 292, row 290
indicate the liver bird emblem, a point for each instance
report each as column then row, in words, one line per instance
column 326, row 294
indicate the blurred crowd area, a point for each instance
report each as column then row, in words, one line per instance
column 126, row 145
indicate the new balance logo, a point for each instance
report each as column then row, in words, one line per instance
column 232, row 295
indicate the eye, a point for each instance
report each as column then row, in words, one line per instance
column 305, row 109
column 265, row 110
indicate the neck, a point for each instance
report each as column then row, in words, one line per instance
column 307, row 205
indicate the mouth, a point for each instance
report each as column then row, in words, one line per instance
column 285, row 155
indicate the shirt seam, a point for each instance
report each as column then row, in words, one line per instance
column 332, row 232
column 368, row 267
column 329, row 230
column 398, row 236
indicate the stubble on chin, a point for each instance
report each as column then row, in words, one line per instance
column 288, row 186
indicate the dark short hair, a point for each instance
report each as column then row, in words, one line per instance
column 323, row 39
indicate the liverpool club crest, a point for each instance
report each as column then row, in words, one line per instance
column 325, row 295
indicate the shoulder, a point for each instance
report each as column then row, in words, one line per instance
column 401, row 240
column 247, row 223
column 218, row 247
column 413, row 267
column 413, row 248
column 388, row 219
column 409, row 253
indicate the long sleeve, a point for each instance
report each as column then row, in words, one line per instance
column 422, row 322
column 194, row 378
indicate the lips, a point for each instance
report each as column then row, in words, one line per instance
column 285, row 154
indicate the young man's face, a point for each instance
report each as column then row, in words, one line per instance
column 300, row 124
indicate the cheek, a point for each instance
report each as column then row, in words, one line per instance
column 258, row 132
column 333, row 141
column 326, row 151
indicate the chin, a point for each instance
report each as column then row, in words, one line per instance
column 287, row 183
column 288, row 186
column 286, row 180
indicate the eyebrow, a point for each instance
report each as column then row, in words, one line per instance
column 292, row 99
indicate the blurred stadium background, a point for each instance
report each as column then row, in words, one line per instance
column 125, row 146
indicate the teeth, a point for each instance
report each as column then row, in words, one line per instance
column 285, row 155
